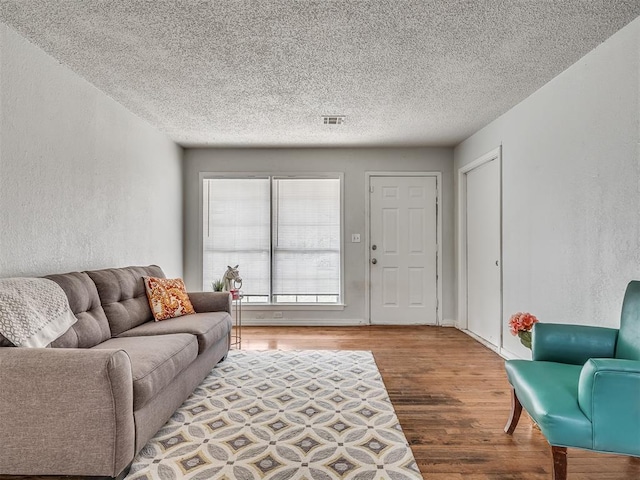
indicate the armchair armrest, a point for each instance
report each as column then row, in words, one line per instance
column 573, row 344
column 210, row 301
column 609, row 396
column 65, row 411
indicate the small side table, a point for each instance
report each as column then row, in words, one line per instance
column 236, row 333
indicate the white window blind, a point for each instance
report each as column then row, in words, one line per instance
column 285, row 233
column 306, row 237
column 236, row 231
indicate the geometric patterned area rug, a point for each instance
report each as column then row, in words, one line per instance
column 278, row 415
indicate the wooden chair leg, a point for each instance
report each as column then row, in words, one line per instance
column 559, row 462
column 516, row 410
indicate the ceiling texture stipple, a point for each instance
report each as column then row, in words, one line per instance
column 244, row 73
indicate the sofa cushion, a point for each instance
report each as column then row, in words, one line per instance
column 207, row 327
column 167, row 297
column 548, row 392
column 92, row 326
column 155, row 361
column 123, row 296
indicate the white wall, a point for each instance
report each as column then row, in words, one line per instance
column 353, row 163
column 571, row 189
column 84, row 183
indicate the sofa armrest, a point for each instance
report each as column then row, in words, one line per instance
column 609, row 396
column 65, row 411
column 210, row 301
column 573, row 344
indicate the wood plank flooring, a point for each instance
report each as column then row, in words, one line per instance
column 452, row 399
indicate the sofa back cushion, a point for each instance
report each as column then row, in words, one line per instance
column 628, row 346
column 92, row 326
column 123, row 295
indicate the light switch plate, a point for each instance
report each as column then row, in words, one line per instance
column 355, row 238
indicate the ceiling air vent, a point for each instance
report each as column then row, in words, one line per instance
column 333, row 119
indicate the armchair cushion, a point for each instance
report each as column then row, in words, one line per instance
column 609, row 395
column 573, row 344
column 548, row 392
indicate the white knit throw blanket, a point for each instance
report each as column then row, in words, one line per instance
column 33, row 311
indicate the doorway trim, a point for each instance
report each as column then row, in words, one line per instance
column 367, row 236
column 462, row 323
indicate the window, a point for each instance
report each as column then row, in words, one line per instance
column 284, row 232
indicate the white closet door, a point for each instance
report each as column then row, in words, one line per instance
column 483, row 252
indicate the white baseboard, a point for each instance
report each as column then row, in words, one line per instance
column 300, row 322
column 503, row 352
column 318, row 322
column 508, row 355
column 481, row 340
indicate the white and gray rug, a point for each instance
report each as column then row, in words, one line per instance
column 308, row 415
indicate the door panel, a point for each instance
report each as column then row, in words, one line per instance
column 416, row 286
column 390, row 286
column 483, row 252
column 390, row 231
column 416, row 231
column 403, row 224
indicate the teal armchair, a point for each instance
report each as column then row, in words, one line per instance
column 582, row 386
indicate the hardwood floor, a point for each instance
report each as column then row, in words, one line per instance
column 452, row 399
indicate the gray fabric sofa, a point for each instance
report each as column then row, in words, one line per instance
column 89, row 403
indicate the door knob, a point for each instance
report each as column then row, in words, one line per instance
column 374, row 261
column 374, row 247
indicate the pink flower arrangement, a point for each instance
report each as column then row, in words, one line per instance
column 521, row 325
column 521, row 322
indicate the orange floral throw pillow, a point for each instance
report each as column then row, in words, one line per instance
column 167, row 297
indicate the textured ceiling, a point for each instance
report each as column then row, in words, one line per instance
column 261, row 73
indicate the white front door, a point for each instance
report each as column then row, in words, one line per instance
column 483, row 251
column 403, row 250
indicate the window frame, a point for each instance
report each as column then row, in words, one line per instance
column 277, row 175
